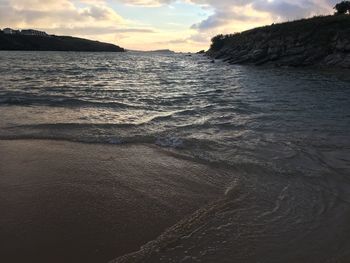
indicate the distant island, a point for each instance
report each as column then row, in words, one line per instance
column 34, row 40
column 162, row 51
column 322, row 41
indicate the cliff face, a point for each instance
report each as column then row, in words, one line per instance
column 319, row 41
column 54, row 43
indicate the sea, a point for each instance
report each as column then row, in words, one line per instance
column 289, row 122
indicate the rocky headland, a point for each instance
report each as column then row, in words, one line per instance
column 319, row 41
column 17, row 41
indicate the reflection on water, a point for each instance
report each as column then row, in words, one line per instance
column 290, row 120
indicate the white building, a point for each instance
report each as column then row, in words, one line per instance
column 8, row 31
column 26, row 32
column 31, row 32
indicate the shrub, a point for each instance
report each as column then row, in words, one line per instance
column 342, row 8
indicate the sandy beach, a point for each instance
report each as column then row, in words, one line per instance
column 74, row 202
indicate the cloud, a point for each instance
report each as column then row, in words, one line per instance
column 84, row 18
column 94, row 31
column 99, row 19
column 222, row 18
column 231, row 13
column 227, row 11
column 287, row 9
column 52, row 13
column 230, row 16
column 147, row 3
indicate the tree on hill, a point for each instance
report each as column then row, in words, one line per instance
column 217, row 42
column 342, row 8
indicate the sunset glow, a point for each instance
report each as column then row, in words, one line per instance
column 182, row 25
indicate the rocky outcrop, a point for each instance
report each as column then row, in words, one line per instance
column 318, row 41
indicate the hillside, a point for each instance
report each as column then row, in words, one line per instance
column 319, row 41
column 54, row 43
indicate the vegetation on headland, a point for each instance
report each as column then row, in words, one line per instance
column 53, row 43
column 285, row 29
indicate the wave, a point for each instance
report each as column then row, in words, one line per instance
column 160, row 140
column 262, row 217
column 123, row 133
column 60, row 101
column 71, row 126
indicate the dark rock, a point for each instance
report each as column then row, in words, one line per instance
column 258, row 54
column 295, row 50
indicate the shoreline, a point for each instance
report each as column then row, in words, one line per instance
column 263, row 219
column 72, row 202
column 79, row 202
column 167, row 150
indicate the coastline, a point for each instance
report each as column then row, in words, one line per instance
column 73, row 202
column 20, row 42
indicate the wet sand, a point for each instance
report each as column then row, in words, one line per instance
column 74, row 202
column 264, row 218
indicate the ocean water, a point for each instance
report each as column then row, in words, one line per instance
column 289, row 120
column 283, row 133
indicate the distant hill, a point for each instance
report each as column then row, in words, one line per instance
column 161, row 51
column 54, row 43
column 319, row 41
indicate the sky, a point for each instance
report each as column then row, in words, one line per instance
column 179, row 25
